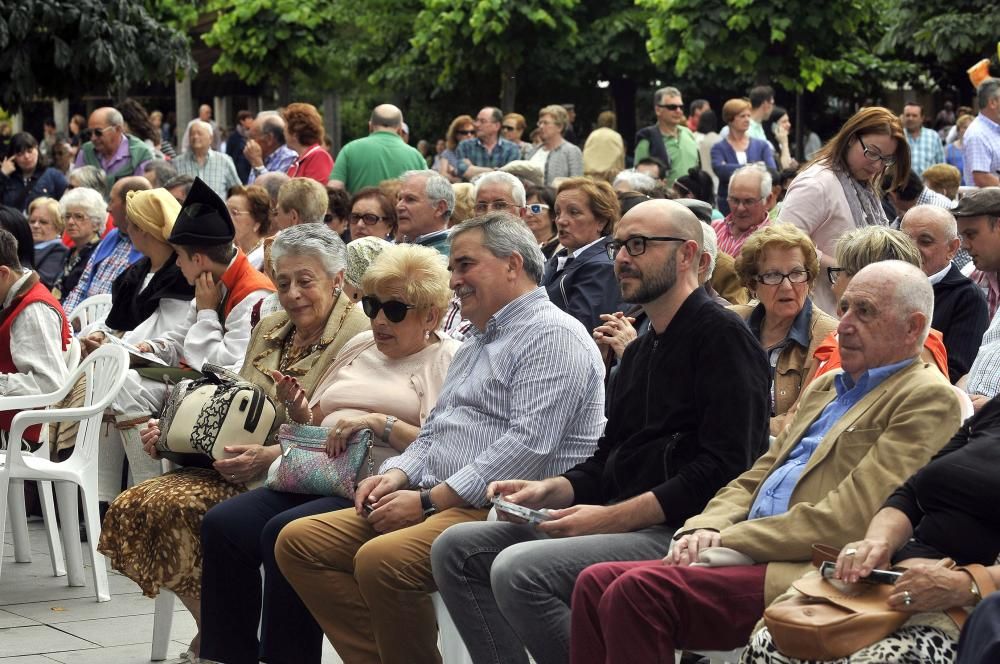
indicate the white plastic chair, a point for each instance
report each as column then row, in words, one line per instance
column 92, row 309
column 105, row 371
column 965, row 402
column 18, row 512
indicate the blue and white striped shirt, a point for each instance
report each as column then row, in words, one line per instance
column 981, row 144
column 523, row 399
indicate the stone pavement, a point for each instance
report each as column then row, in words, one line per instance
column 43, row 620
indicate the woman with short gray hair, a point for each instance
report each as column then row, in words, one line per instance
column 557, row 156
column 84, row 213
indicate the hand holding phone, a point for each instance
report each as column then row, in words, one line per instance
column 527, row 514
column 888, row 577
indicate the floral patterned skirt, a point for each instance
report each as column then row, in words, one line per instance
column 152, row 531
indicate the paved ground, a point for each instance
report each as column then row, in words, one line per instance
column 43, row 620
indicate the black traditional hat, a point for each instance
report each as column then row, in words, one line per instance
column 204, row 219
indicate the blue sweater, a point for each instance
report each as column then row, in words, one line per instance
column 724, row 164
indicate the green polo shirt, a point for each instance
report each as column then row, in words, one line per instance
column 683, row 151
column 367, row 161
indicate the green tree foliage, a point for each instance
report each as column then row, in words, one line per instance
column 65, row 48
column 798, row 45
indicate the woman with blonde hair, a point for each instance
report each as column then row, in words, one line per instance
column 46, row 224
column 839, row 189
column 556, row 156
column 386, row 380
column 580, row 278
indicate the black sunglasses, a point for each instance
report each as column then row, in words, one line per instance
column 466, row 133
column 395, row 311
column 671, row 107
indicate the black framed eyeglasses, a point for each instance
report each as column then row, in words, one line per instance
column 367, row 219
column 671, row 107
column 466, row 132
column 833, row 273
column 395, row 311
column 636, row 245
column 482, row 207
column 775, row 278
column 872, row 154
column 508, row 128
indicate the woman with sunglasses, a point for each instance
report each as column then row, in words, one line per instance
column 839, row 189
column 737, row 149
column 372, row 214
column 461, row 128
column 386, row 380
column 541, row 219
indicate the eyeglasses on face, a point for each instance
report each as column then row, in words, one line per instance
column 482, row 207
column 75, row 217
column 466, row 132
column 671, row 107
column 395, row 311
column 743, row 202
column 98, row 131
column 368, row 219
column 833, row 273
column 872, row 154
column 536, row 208
column 636, row 245
column 509, row 128
column 775, row 278
column 236, row 213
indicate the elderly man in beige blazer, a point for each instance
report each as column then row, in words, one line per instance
column 856, row 437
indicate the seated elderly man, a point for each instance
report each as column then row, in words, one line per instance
column 33, row 323
column 749, row 194
column 425, row 203
column 675, row 435
column 960, row 312
column 524, row 396
column 856, row 436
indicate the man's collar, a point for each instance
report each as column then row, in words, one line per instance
column 937, row 277
column 429, row 237
column 513, row 309
column 870, row 379
column 15, row 287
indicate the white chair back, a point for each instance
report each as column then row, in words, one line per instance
column 92, row 309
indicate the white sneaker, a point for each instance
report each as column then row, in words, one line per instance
column 186, row 657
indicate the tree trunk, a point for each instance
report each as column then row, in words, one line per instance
column 331, row 119
column 285, row 90
column 508, row 88
column 623, row 91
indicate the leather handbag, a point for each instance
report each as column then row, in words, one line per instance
column 204, row 415
column 306, row 468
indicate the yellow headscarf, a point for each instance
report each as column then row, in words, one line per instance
column 154, row 211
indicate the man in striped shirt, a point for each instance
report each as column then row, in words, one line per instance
column 749, row 189
column 524, row 397
column 675, row 434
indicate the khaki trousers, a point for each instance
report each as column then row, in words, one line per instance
column 368, row 591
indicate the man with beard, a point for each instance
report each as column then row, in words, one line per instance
column 688, row 413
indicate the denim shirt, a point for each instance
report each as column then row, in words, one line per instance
column 776, row 490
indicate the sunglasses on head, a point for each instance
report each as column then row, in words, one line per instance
column 395, row 311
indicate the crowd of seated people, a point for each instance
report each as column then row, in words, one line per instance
column 691, row 380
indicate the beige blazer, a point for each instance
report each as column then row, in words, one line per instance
column 887, row 436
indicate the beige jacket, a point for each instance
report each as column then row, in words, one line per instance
column 887, row 436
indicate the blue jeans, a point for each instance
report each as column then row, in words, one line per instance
column 237, row 537
column 508, row 587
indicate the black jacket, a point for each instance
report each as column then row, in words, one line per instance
column 688, row 413
column 961, row 316
column 656, row 147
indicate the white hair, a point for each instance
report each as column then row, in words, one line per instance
column 709, row 245
column 913, row 291
column 311, row 240
column 516, row 187
column 636, row 181
column 942, row 219
column 754, row 169
column 437, row 188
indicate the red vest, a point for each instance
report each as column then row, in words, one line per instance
column 36, row 293
column 241, row 279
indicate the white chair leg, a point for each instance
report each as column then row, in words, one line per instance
column 19, row 522
column 92, row 517
column 453, row 650
column 69, row 517
column 52, row 529
column 163, row 618
column 4, row 501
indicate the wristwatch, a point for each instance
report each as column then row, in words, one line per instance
column 387, row 430
column 426, row 504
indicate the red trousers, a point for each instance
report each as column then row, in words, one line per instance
column 642, row 611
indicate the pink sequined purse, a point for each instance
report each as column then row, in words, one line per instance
column 306, row 468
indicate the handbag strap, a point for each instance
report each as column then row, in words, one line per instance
column 822, row 553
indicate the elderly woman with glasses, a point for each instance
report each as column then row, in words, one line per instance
column 84, row 213
column 165, row 514
column 250, row 208
column 839, row 189
column 580, row 278
column 556, row 156
column 386, row 380
column 46, row 224
column 372, row 214
column 778, row 265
